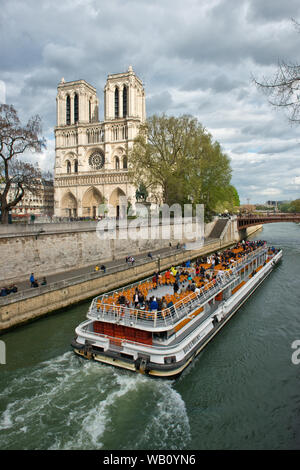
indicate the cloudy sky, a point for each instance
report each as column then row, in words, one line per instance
column 193, row 56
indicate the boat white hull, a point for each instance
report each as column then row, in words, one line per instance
column 189, row 348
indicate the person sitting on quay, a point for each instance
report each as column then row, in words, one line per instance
column 103, row 268
column 35, row 283
column 44, row 281
column 4, row 292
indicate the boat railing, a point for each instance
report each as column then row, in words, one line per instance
column 167, row 317
column 130, row 316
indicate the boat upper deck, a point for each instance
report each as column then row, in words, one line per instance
column 134, row 305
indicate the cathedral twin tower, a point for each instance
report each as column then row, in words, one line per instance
column 90, row 156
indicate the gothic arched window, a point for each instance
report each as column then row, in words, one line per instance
column 68, row 110
column 68, row 166
column 76, row 108
column 117, row 163
column 90, row 111
column 116, row 102
column 76, row 166
column 125, row 100
column 125, row 163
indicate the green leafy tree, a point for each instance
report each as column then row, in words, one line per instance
column 17, row 176
column 231, row 200
column 293, row 206
column 176, row 159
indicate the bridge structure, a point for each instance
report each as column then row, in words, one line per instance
column 249, row 220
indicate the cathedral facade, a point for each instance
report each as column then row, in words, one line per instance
column 91, row 156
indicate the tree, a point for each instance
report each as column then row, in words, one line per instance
column 283, row 89
column 176, row 159
column 231, row 200
column 293, row 206
column 17, row 176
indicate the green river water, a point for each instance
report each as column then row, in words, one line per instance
column 242, row 392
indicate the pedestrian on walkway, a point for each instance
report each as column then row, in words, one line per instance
column 31, row 279
column 103, row 268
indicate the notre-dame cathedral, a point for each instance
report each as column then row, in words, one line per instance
column 90, row 160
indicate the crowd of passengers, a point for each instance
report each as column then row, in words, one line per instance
column 191, row 280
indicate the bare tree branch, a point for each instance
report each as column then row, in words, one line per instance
column 283, row 88
column 17, row 177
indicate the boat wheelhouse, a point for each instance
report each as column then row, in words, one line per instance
column 162, row 342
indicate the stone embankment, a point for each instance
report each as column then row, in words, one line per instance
column 30, row 304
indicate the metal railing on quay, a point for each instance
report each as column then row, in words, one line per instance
column 42, row 289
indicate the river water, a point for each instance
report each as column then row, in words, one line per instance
column 242, row 392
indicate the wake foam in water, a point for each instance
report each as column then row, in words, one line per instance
column 69, row 403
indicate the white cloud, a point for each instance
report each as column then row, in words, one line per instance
column 296, row 181
column 194, row 57
column 2, row 92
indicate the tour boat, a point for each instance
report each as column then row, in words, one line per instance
column 162, row 343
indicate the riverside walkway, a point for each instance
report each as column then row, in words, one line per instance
column 75, row 276
column 81, row 274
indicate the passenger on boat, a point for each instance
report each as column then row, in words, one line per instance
column 136, row 298
column 173, row 271
column 153, row 304
column 121, row 300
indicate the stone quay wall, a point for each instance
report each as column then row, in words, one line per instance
column 51, row 248
column 15, row 313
